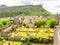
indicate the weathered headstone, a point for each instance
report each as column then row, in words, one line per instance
column 16, row 21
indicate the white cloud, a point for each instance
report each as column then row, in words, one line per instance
column 51, row 6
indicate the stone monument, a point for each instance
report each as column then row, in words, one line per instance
column 16, row 21
column 57, row 33
column 56, row 36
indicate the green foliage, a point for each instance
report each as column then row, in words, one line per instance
column 40, row 22
column 1, row 24
column 38, row 40
column 26, row 12
column 51, row 23
column 1, row 43
column 6, row 22
column 24, row 24
column 1, row 38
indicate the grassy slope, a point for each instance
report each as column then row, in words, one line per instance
column 25, row 12
column 32, row 11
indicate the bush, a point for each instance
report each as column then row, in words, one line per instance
column 24, row 24
column 34, row 40
column 38, row 40
column 1, row 25
column 1, row 38
column 6, row 21
column 50, row 39
column 51, row 23
column 40, row 22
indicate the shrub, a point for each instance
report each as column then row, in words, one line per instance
column 41, row 40
column 40, row 22
column 50, row 39
column 1, row 25
column 38, row 40
column 51, row 23
column 6, row 21
column 32, row 39
column 24, row 24
column 1, row 38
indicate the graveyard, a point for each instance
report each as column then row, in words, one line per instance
column 28, row 25
column 27, row 31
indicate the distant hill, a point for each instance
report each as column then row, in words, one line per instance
column 23, row 10
column 3, row 6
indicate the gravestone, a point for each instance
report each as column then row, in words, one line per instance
column 16, row 21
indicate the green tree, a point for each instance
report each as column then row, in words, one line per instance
column 40, row 22
column 51, row 23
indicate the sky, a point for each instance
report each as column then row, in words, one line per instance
column 52, row 6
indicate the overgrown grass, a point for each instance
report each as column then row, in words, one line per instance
column 0, row 43
column 19, row 43
column 12, row 43
column 43, row 32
